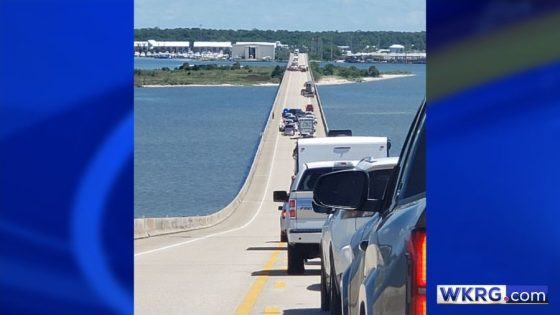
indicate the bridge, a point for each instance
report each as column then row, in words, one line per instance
column 232, row 262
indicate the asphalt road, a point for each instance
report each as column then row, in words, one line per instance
column 238, row 266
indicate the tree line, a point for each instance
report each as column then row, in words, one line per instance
column 319, row 45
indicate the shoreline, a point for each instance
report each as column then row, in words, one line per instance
column 205, row 85
column 332, row 80
column 328, row 80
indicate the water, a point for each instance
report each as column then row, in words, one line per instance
column 194, row 146
column 146, row 63
column 379, row 108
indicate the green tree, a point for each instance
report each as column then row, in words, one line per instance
column 372, row 72
column 316, row 70
column 277, row 72
column 328, row 69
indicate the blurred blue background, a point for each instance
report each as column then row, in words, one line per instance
column 493, row 128
column 66, row 135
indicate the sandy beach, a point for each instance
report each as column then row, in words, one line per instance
column 328, row 80
column 331, row 80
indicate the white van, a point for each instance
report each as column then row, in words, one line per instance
column 339, row 149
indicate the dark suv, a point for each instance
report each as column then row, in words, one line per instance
column 388, row 272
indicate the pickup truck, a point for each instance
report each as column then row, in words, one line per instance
column 303, row 225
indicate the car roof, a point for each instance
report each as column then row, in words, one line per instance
column 322, row 164
column 341, row 140
column 371, row 164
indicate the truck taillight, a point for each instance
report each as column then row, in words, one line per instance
column 418, row 255
column 292, row 203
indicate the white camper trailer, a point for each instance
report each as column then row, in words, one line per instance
column 339, row 149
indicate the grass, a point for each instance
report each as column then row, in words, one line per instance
column 205, row 77
column 396, row 72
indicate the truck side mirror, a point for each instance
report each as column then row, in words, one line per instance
column 343, row 189
column 280, row 196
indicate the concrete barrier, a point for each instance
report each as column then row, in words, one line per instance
column 323, row 118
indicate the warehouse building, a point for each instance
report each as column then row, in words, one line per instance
column 396, row 49
column 215, row 47
column 253, row 51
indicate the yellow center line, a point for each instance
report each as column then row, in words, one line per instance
column 279, row 284
column 250, row 299
column 272, row 310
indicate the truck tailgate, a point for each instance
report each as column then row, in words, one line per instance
column 304, row 209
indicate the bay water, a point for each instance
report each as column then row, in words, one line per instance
column 195, row 145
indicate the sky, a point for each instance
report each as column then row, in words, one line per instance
column 301, row 15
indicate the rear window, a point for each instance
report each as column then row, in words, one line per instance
column 378, row 183
column 309, row 178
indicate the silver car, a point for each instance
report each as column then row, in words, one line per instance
column 336, row 253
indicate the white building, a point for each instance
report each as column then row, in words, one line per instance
column 396, row 48
column 215, row 47
column 253, row 50
column 168, row 46
column 140, row 45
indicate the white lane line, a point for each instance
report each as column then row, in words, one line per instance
column 244, row 225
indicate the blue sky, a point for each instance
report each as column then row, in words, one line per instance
column 310, row 15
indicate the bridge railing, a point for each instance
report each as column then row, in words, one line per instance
column 323, row 118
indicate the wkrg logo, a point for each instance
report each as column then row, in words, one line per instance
column 491, row 294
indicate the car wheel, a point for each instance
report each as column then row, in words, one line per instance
column 335, row 305
column 295, row 260
column 283, row 237
column 325, row 294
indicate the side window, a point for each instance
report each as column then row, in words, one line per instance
column 378, row 182
column 415, row 172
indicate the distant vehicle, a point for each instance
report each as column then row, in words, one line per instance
column 297, row 111
column 338, row 149
column 303, row 68
column 303, row 224
column 388, row 272
column 309, row 108
column 296, row 52
column 294, row 113
column 336, row 253
column 285, row 123
column 306, row 126
column 293, row 68
column 311, row 116
column 308, row 89
column 342, row 133
column 290, row 130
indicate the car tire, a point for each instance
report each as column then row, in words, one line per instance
column 325, row 293
column 335, row 305
column 283, row 237
column 295, row 260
